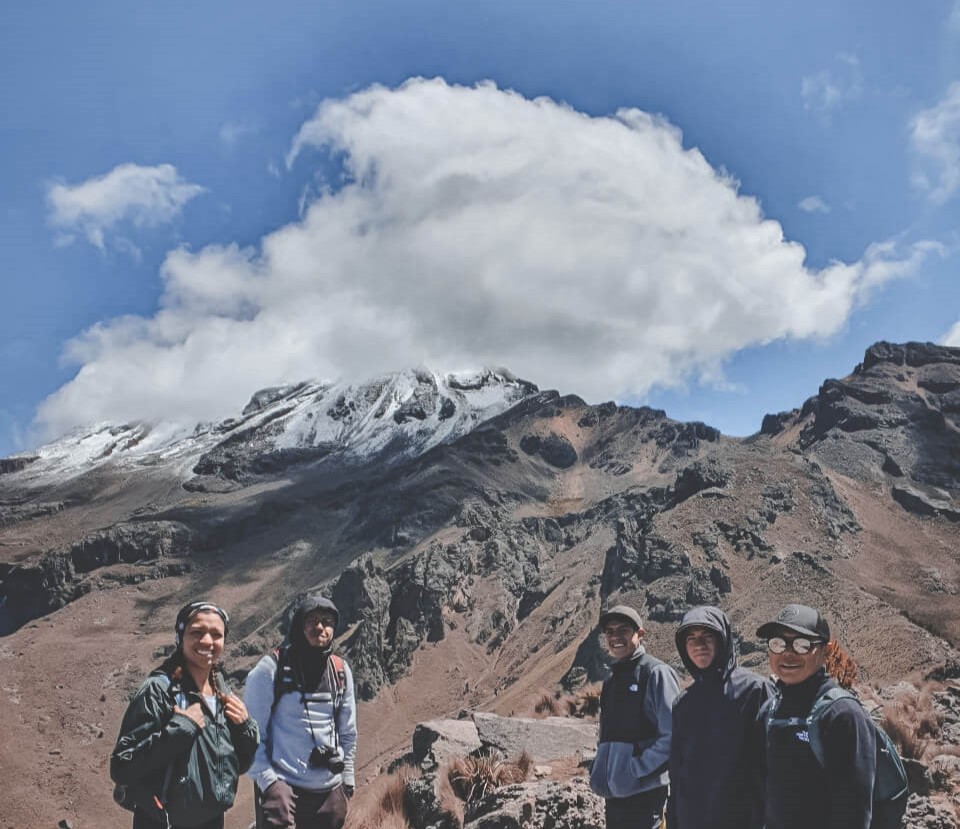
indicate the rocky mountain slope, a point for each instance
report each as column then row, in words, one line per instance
column 471, row 550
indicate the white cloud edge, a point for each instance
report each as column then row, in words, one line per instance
column 143, row 196
column 827, row 90
column 935, row 144
column 813, row 204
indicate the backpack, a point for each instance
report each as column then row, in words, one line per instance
column 131, row 796
column 285, row 679
column 890, row 791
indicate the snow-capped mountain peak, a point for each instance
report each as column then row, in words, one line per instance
column 394, row 416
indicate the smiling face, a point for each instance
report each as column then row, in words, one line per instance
column 792, row 668
column 622, row 637
column 318, row 628
column 203, row 641
column 702, row 645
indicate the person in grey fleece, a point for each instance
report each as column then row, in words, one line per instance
column 304, row 769
column 636, row 715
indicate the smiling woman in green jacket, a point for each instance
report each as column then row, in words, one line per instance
column 185, row 739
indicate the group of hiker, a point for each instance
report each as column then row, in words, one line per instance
column 186, row 738
column 732, row 751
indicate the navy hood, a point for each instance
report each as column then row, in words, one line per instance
column 309, row 603
column 712, row 618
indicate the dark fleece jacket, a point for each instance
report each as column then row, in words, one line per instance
column 716, row 753
column 800, row 792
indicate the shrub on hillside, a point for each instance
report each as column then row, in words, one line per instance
column 473, row 778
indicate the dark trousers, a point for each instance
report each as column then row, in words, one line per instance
column 145, row 821
column 639, row 811
column 286, row 807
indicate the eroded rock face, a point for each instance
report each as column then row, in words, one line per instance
column 926, row 501
column 895, row 415
column 59, row 577
column 539, row 805
column 10, row 465
column 700, row 475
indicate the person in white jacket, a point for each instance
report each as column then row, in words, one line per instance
column 302, row 697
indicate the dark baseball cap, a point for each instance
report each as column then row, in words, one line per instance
column 622, row 611
column 800, row 619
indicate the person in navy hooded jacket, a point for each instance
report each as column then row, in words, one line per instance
column 717, row 744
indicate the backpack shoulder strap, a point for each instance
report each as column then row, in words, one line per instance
column 339, row 684
column 278, row 655
column 820, row 705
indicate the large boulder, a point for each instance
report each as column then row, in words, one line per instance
column 546, row 739
column 439, row 740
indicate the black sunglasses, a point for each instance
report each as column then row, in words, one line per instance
column 800, row 645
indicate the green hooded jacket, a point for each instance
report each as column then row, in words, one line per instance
column 204, row 763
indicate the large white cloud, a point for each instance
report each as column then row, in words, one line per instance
column 594, row 255
column 143, row 196
column 935, row 136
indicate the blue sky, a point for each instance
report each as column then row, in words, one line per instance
column 183, row 225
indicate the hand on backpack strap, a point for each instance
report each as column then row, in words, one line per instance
column 235, row 710
column 192, row 712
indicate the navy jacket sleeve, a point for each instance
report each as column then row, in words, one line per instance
column 756, row 723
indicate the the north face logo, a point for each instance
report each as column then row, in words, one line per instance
column 803, row 736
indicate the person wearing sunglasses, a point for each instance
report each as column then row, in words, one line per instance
column 801, row 792
column 636, row 703
column 716, row 752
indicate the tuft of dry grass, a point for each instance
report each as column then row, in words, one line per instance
column 583, row 704
column 473, row 778
column 546, row 705
column 379, row 804
column 913, row 725
column 449, row 802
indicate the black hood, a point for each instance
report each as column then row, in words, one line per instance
column 716, row 620
column 310, row 602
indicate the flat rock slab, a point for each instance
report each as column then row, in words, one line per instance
column 444, row 739
column 546, row 739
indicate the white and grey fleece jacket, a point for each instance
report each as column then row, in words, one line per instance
column 286, row 737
